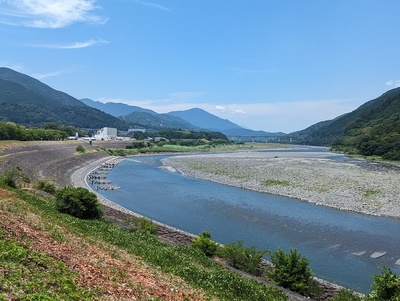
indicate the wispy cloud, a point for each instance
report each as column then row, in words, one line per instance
column 152, row 5
column 48, row 13
column 393, row 83
column 74, row 45
column 41, row 76
column 229, row 110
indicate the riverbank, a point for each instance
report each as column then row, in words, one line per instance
column 322, row 178
column 121, row 216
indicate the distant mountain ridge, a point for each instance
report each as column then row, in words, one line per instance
column 27, row 101
column 37, row 104
column 203, row 119
column 115, row 109
column 194, row 119
column 159, row 121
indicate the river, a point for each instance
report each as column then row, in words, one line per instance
column 341, row 246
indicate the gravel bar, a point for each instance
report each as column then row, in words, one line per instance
column 356, row 185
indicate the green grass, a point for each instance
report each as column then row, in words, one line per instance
column 188, row 263
column 169, row 148
column 274, row 182
column 29, row 275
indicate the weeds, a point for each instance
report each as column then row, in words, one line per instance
column 274, row 182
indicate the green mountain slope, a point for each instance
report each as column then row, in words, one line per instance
column 376, row 130
column 27, row 101
column 373, row 129
column 115, row 109
column 160, row 121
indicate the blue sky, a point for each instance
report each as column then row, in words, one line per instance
column 279, row 65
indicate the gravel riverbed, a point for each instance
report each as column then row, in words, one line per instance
column 360, row 186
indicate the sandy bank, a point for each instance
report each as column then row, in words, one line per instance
column 311, row 177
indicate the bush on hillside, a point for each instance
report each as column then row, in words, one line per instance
column 292, row 271
column 247, row 259
column 13, row 176
column 80, row 149
column 45, row 186
column 78, row 202
column 386, row 286
column 205, row 244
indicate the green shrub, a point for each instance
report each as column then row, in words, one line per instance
column 11, row 177
column 45, row 186
column 78, row 202
column 205, row 244
column 292, row 271
column 346, row 295
column 80, row 149
column 247, row 259
column 386, row 286
column 145, row 225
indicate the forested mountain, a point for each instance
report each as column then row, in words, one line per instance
column 159, row 121
column 27, row 101
column 371, row 129
column 376, row 131
column 205, row 120
column 115, row 109
column 36, row 86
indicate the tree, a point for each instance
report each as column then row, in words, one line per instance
column 386, row 286
column 78, row 202
column 292, row 271
column 247, row 259
column 205, row 244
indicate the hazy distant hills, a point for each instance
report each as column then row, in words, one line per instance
column 193, row 119
column 115, row 109
column 27, row 101
column 159, row 121
column 205, row 120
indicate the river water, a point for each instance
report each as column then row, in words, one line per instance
column 340, row 245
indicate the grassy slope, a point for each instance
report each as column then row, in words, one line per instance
column 50, row 255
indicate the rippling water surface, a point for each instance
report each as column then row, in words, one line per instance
column 338, row 244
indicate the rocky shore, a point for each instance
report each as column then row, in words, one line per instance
column 321, row 178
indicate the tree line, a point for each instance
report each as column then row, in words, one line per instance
column 49, row 131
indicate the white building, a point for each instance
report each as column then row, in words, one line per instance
column 106, row 134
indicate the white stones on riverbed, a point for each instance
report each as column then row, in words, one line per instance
column 376, row 255
column 361, row 253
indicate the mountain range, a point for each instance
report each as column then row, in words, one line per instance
column 27, row 101
column 371, row 129
column 194, row 119
column 37, row 104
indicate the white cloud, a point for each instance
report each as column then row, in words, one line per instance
column 48, row 13
column 41, row 76
column 393, row 83
column 74, row 45
column 229, row 110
